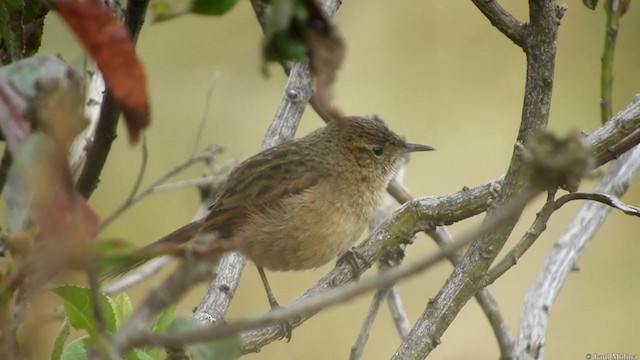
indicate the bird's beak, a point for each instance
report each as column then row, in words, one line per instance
column 418, row 147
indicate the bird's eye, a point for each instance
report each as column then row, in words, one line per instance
column 377, row 150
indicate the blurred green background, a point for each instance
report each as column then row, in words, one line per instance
column 436, row 71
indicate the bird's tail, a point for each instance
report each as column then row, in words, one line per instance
column 166, row 245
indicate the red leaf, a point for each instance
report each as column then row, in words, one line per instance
column 110, row 45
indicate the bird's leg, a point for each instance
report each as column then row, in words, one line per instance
column 351, row 258
column 285, row 325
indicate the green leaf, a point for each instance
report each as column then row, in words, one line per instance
column 58, row 345
column 223, row 349
column 160, row 325
column 77, row 350
column 281, row 47
column 212, row 7
column 77, row 307
column 123, row 309
column 139, row 355
column 591, row 4
column 11, row 29
column 163, row 321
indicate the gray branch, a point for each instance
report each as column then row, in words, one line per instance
column 463, row 283
column 502, row 20
column 564, row 256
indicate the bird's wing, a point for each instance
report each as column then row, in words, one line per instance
column 262, row 180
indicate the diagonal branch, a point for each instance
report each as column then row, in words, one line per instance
column 502, row 20
column 105, row 132
column 620, row 148
column 564, row 255
column 487, row 302
column 465, row 280
column 365, row 329
column 535, row 230
column 601, row 198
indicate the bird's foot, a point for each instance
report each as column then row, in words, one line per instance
column 285, row 325
column 351, row 258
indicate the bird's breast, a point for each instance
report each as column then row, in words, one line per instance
column 309, row 229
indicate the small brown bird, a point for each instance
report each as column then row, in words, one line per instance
column 298, row 205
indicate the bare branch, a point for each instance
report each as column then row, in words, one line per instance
column 535, row 230
column 606, row 140
column 206, row 181
column 98, row 150
column 502, row 20
column 143, row 272
column 398, row 312
column 601, row 198
column 564, row 255
column 363, row 335
column 205, row 155
column 141, row 172
column 487, row 302
column 540, row 48
column 614, row 10
column 205, row 112
column 620, row 148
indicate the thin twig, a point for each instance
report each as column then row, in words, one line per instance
column 398, row 313
column 205, row 112
column 601, row 198
column 141, row 172
column 205, row 155
column 535, row 230
column 502, row 20
column 211, row 180
column 146, row 270
column 565, row 254
column 462, row 284
column 613, row 9
column 358, row 347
